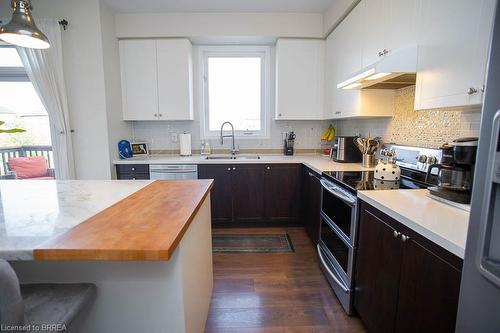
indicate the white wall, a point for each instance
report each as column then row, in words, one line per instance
column 220, row 24
column 159, row 133
column 84, row 73
column 92, row 80
column 117, row 128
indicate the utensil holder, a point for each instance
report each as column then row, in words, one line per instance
column 369, row 161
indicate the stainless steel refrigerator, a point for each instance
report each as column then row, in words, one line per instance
column 479, row 306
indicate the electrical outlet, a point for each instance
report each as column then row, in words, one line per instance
column 174, row 137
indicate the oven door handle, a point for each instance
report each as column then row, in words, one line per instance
column 328, row 186
column 333, row 276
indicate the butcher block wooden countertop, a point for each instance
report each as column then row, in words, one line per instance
column 146, row 225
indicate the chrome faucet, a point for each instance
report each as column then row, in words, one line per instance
column 233, row 148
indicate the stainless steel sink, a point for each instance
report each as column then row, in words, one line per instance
column 233, row 157
column 229, row 157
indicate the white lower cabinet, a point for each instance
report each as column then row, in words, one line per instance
column 157, row 79
column 452, row 52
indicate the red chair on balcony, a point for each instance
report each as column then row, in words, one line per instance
column 34, row 167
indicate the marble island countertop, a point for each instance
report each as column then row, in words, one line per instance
column 317, row 163
column 33, row 211
column 96, row 219
column 441, row 223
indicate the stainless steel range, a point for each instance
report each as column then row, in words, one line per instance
column 339, row 212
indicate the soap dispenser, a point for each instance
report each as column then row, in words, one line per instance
column 205, row 148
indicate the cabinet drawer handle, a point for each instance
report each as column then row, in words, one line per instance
column 234, row 168
column 332, row 275
column 405, row 238
column 160, row 115
column 133, row 169
column 228, row 169
column 338, row 112
column 268, row 168
column 396, row 234
column 472, row 91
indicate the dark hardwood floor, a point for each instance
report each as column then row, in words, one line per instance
column 275, row 293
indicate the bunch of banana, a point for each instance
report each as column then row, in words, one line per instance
column 328, row 134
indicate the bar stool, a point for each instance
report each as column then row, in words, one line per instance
column 51, row 307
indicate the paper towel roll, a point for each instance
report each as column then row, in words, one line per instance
column 185, row 141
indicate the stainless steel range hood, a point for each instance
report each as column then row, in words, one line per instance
column 397, row 69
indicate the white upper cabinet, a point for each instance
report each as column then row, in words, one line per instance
column 388, row 25
column 139, row 79
column 452, row 55
column 374, row 27
column 175, row 83
column 347, row 58
column 402, row 17
column 156, row 79
column 300, row 79
column 343, row 57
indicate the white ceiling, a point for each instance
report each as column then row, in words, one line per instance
column 284, row 6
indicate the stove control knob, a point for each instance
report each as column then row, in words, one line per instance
column 422, row 158
column 432, row 160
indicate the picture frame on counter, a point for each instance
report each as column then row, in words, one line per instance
column 140, row 148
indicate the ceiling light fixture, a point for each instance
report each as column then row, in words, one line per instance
column 21, row 30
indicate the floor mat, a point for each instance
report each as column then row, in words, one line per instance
column 252, row 243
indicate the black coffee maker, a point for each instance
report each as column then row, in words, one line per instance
column 456, row 171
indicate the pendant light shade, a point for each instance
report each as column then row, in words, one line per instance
column 21, row 30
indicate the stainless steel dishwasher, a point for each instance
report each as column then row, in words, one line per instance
column 173, row 171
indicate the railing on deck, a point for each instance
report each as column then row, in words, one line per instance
column 24, row 151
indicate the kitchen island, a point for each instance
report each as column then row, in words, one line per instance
column 146, row 245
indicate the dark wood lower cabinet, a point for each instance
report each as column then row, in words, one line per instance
column 377, row 274
column 254, row 194
column 222, row 193
column 428, row 292
column 132, row 171
column 282, row 193
column 248, row 193
column 403, row 284
column 311, row 203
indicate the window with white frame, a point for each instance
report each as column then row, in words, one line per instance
column 20, row 107
column 235, row 89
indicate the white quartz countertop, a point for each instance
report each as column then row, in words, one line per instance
column 316, row 162
column 34, row 211
column 441, row 223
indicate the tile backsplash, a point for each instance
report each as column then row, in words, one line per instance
column 162, row 135
column 426, row 128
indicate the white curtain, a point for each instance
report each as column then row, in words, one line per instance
column 45, row 70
